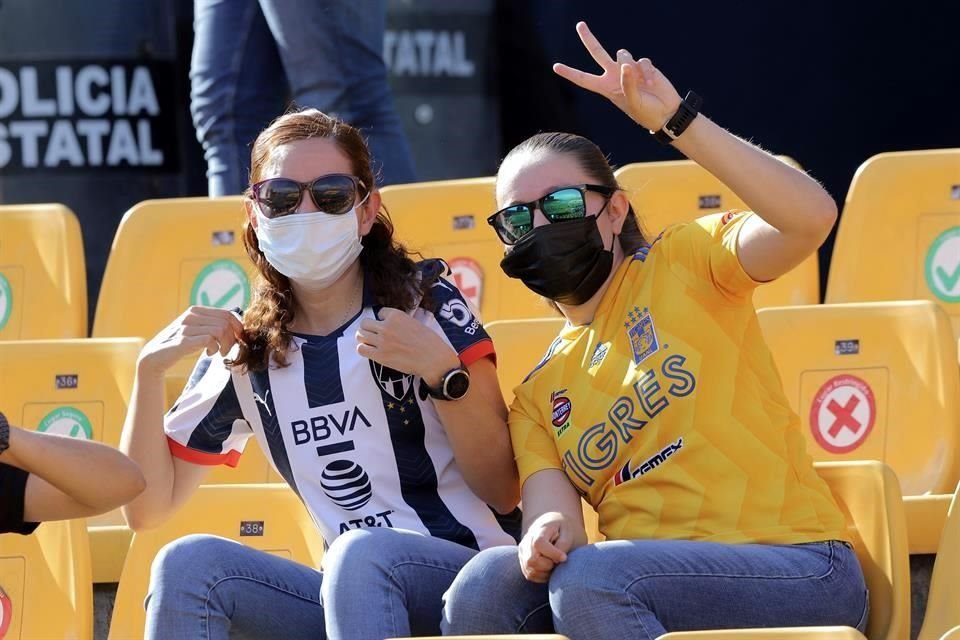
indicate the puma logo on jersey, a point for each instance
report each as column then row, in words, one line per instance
column 649, row 465
column 263, row 401
column 599, row 354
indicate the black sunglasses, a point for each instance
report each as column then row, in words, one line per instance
column 334, row 193
column 568, row 203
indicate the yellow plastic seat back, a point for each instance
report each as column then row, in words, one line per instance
column 521, row 344
column 873, row 381
column 268, row 517
column 899, row 235
column 43, row 286
column 448, row 219
column 166, row 256
column 868, row 494
column 45, row 587
column 943, row 599
column 79, row 388
column 667, row 193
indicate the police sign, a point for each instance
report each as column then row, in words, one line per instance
column 81, row 115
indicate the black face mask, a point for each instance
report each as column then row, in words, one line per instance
column 563, row 261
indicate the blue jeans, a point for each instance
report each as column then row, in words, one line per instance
column 645, row 588
column 376, row 583
column 250, row 55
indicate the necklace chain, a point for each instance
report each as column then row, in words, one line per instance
column 353, row 301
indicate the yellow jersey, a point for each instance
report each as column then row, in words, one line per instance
column 667, row 413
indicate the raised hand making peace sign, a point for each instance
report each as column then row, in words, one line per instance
column 637, row 87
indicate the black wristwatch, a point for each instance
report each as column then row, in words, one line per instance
column 4, row 433
column 689, row 109
column 453, row 385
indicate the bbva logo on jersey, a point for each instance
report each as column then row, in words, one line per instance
column 395, row 383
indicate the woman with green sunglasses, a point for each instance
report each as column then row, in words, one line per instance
column 659, row 402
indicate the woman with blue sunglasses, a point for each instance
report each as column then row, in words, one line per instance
column 658, row 403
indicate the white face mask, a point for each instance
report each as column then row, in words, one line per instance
column 310, row 248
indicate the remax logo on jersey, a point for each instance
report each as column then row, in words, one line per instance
column 626, row 473
column 561, row 407
column 642, row 334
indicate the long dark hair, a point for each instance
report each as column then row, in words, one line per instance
column 390, row 271
column 594, row 164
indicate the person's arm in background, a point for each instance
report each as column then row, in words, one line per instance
column 70, row 478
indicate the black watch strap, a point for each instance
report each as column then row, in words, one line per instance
column 689, row 109
column 4, row 433
column 448, row 389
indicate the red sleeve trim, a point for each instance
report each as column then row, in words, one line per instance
column 230, row 458
column 478, row 350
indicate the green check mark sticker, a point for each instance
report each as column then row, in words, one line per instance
column 942, row 269
column 222, row 284
column 6, row 301
column 67, row 421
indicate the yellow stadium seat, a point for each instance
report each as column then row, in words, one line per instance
column 79, row 388
column 43, row 286
column 268, row 517
column 520, row 345
column 666, row 193
column 166, row 256
column 943, row 600
column 899, row 235
column 953, row 634
column 926, row 516
column 448, row 219
column 868, row 493
column 45, row 587
column 873, row 381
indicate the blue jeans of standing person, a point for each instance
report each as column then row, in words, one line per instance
column 249, row 56
column 641, row 589
column 376, row 583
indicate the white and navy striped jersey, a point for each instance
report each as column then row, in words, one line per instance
column 361, row 444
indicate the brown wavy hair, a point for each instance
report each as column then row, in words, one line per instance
column 391, row 274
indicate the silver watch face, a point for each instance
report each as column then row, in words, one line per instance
column 456, row 384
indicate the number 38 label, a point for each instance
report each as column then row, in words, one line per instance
column 251, row 528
